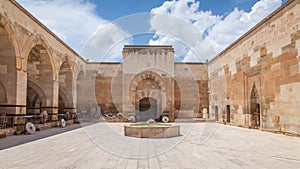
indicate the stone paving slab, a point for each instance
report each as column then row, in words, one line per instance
column 15, row 140
column 226, row 147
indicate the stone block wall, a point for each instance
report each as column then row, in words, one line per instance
column 268, row 57
column 191, row 89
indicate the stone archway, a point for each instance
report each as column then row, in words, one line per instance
column 65, row 94
column 35, row 98
column 40, row 73
column 9, row 104
column 146, row 88
column 62, row 102
column 80, row 92
column 254, row 107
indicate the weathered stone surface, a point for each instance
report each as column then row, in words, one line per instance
column 152, row 131
column 272, row 65
column 251, row 83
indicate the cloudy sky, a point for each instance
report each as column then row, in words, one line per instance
column 198, row 29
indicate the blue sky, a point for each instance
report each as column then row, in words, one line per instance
column 197, row 29
column 112, row 9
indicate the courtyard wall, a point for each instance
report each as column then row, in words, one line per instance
column 264, row 65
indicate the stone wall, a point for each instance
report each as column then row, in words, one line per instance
column 32, row 58
column 265, row 59
column 108, row 87
column 190, row 89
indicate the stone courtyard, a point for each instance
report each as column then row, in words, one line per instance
column 253, row 83
column 227, row 147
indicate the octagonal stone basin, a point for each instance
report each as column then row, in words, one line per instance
column 152, row 131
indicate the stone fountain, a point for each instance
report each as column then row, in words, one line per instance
column 151, row 129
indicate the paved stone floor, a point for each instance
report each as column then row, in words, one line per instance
column 202, row 145
column 15, row 140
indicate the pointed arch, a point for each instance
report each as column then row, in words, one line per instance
column 41, row 71
column 38, row 42
column 65, row 96
column 254, row 107
column 80, row 91
column 9, row 54
column 254, row 99
column 148, row 85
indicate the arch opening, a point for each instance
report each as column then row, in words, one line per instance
column 148, row 95
column 254, row 107
column 8, row 69
column 35, row 99
column 65, row 95
column 39, row 81
column 80, row 92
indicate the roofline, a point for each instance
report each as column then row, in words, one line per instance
column 26, row 12
column 147, row 46
column 256, row 28
column 104, row 62
column 191, row 63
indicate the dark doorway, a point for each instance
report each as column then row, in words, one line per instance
column 228, row 113
column 254, row 107
column 147, row 109
column 216, row 113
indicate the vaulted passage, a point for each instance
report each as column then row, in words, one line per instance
column 35, row 99
column 65, row 101
column 80, row 92
column 39, row 81
column 7, row 71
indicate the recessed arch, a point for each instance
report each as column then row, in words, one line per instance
column 8, row 62
column 80, row 91
column 40, row 71
column 63, row 101
column 254, row 107
column 148, row 85
column 33, row 42
column 65, row 96
column 35, row 98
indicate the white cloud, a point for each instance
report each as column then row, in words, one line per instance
column 107, row 43
column 218, row 31
column 75, row 22
column 183, row 26
column 196, row 35
column 238, row 22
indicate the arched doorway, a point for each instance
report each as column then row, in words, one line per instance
column 8, row 70
column 148, row 88
column 65, row 101
column 62, row 102
column 35, row 99
column 80, row 92
column 147, row 109
column 40, row 85
column 254, row 107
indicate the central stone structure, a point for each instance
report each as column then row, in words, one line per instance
column 152, row 131
column 148, row 81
